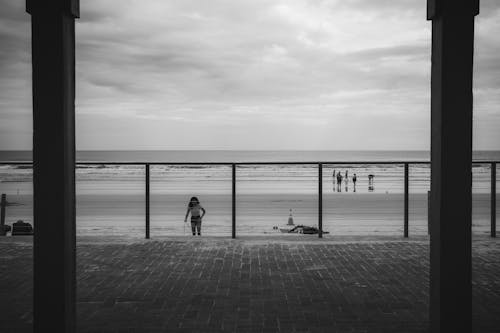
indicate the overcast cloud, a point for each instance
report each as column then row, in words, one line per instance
column 249, row 74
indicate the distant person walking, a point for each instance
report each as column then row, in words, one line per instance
column 196, row 210
column 354, row 179
column 339, row 182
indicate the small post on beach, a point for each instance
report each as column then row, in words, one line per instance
column 320, row 200
column 147, row 201
column 406, row 201
column 3, row 204
column 493, row 210
column 233, row 207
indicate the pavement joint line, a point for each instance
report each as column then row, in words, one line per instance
column 249, row 284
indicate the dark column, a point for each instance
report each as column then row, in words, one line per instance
column 233, row 206
column 53, row 66
column 406, row 201
column 451, row 164
column 147, row 200
column 493, row 211
column 3, row 204
column 320, row 200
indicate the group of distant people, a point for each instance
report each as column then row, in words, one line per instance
column 338, row 178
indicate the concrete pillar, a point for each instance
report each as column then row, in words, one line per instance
column 451, row 163
column 53, row 61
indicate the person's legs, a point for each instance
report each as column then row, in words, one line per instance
column 198, row 226
column 193, row 227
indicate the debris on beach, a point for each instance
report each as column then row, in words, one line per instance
column 304, row 229
column 290, row 227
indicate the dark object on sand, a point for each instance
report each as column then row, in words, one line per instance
column 21, row 228
column 6, row 229
column 303, row 229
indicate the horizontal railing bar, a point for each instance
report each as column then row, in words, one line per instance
column 233, row 165
column 248, row 163
column 16, row 163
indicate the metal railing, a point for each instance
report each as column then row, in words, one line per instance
column 405, row 164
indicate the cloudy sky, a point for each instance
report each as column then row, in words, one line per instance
column 249, row 74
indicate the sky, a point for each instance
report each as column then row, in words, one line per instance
column 249, row 75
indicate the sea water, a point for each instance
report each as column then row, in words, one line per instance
column 110, row 198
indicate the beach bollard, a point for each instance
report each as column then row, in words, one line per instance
column 290, row 218
column 3, row 204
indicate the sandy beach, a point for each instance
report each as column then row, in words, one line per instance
column 256, row 214
column 111, row 198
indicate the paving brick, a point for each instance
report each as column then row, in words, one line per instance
column 249, row 285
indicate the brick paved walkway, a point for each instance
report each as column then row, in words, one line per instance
column 300, row 284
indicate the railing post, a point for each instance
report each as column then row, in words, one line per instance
column 320, row 200
column 406, row 202
column 233, row 208
column 493, row 196
column 3, row 204
column 147, row 201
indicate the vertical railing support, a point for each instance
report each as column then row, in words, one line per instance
column 493, row 210
column 147, row 201
column 233, row 207
column 320, row 200
column 406, row 201
column 3, row 204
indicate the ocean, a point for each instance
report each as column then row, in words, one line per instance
column 110, row 198
column 230, row 156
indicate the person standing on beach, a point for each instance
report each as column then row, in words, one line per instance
column 354, row 179
column 346, row 181
column 197, row 213
column 339, row 182
column 334, row 176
